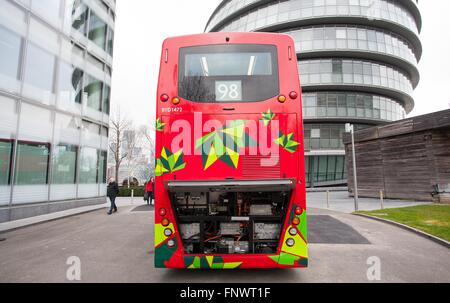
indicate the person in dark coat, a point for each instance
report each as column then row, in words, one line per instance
column 112, row 192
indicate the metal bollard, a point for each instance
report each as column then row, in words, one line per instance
column 328, row 199
column 132, row 196
column 382, row 199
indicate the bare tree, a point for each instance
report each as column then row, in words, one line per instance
column 132, row 143
column 148, row 134
column 118, row 126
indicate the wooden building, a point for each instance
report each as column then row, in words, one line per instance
column 408, row 159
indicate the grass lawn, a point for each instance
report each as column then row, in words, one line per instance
column 433, row 219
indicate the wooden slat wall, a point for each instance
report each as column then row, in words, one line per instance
column 441, row 148
column 369, row 169
column 399, row 128
column 406, row 167
column 404, row 159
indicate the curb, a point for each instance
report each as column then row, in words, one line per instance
column 409, row 228
column 20, row 226
column 325, row 189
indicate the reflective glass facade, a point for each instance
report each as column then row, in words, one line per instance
column 353, row 72
column 282, row 11
column 322, row 38
column 55, row 87
column 351, row 105
column 357, row 62
column 323, row 169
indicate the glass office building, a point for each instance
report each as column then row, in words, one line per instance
column 357, row 62
column 55, row 85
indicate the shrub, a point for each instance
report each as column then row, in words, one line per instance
column 126, row 192
column 133, row 182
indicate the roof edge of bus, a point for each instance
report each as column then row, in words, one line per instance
column 225, row 34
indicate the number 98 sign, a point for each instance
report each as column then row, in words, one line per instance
column 228, row 91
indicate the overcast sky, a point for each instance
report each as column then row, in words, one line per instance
column 142, row 25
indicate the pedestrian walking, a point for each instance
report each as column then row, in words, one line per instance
column 112, row 192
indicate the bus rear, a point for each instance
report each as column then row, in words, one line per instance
column 230, row 182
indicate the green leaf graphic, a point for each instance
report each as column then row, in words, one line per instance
column 159, row 125
column 169, row 162
column 225, row 144
column 287, row 142
column 267, row 117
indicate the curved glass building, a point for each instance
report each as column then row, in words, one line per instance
column 55, row 84
column 357, row 62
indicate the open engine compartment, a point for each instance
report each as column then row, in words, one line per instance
column 227, row 222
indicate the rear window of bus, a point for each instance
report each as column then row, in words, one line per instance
column 228, row 73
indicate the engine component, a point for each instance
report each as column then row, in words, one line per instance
column 240, row 247
column 197, row 199
column 191, row 203
column 260, row 210
column 218, row 204
column 213, row 209
column 223, row 222
column 189, row 248
column 180, row 199
column 267, row 231
column 266, row 248
column 191, row 199
column 189, row 231
column 232, row 247
column 230, row 228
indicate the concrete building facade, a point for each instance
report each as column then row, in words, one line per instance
column 55, row 86
column 357, row 62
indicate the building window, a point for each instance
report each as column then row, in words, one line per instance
column 106, row 99
column 88, row 166
column 96, row 62
column 70, row 82
column 340, row 168
column 40, row 67
column 325, row 169
column 32, row 163
column 79, row 16
column 91, row 128
column 103, row 159
column 348, row 105
column 104, row 131
column 322, row 172
column 315, row 133
column 64, row 164
column 93, row 89
column 10, row 51
column 110, row 46
column 97, row 30
column 5, row 161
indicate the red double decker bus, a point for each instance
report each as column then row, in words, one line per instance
column 230, row 177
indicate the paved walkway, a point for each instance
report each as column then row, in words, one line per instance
column 119, row 248
column 341, row 202
column 67, row 213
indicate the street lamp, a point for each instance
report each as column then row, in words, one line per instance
column 349, row 128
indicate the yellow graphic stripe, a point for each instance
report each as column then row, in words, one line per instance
column 159, row 233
